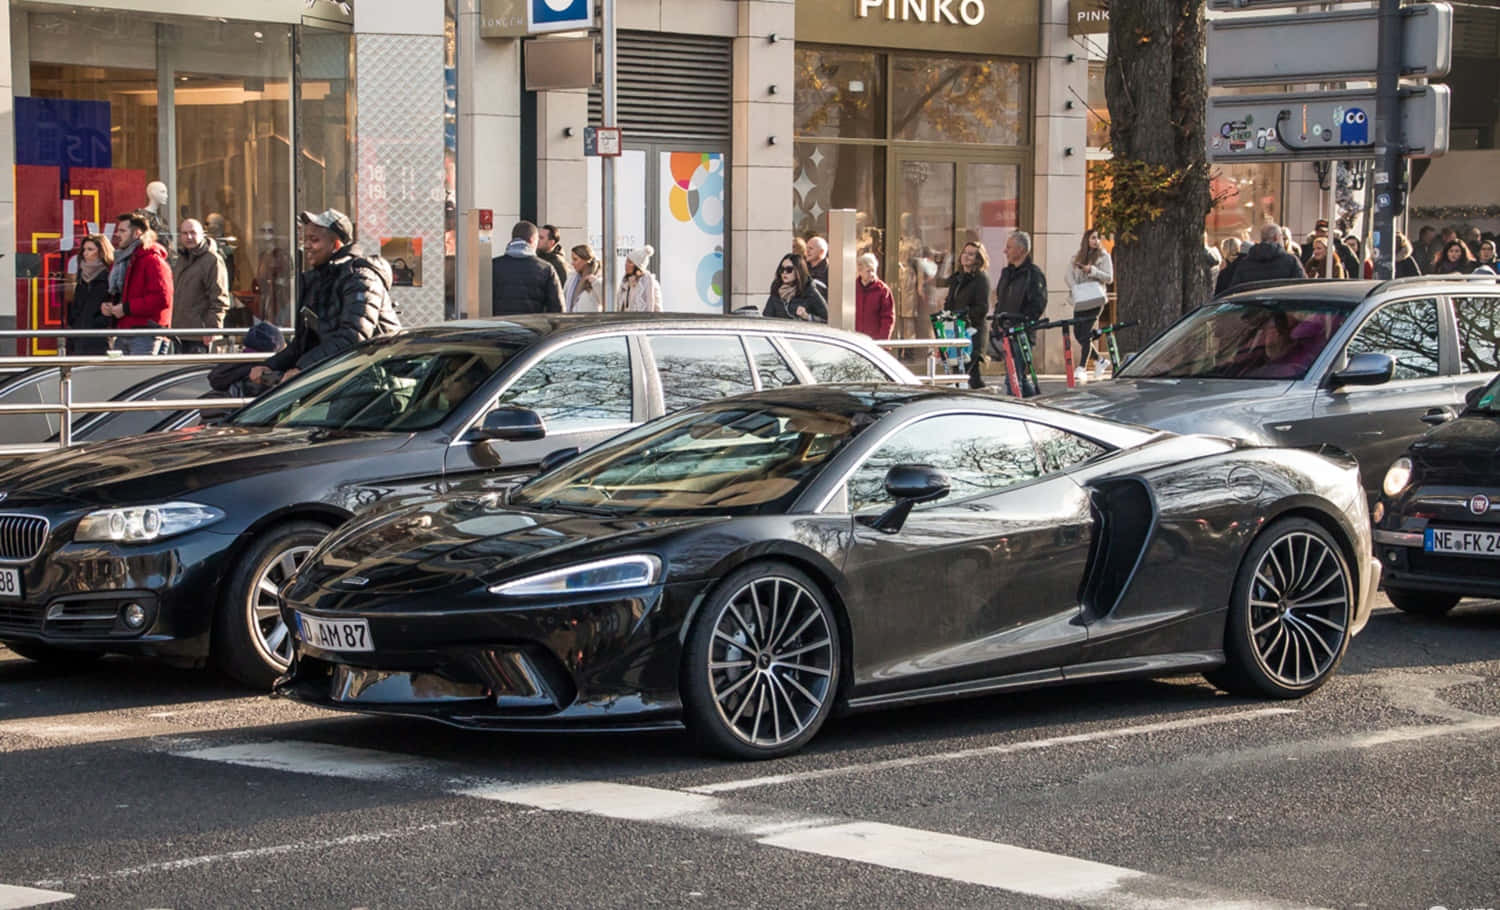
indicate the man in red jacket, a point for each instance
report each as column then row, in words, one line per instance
column 141, row 284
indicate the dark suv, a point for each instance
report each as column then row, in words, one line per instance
column 1367, row 366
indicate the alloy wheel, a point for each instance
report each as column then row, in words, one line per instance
column 271, row 635
column 1300, row 607
column 771, row 661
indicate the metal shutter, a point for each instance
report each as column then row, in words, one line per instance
column 672, row 87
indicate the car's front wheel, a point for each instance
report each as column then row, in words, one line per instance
column 251, row 642
column 1289, row 615
column 1421, row 603
column 761, row 667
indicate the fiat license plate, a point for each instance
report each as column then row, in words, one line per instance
column 336, row 635
column 1467, row 543
column 10, row 582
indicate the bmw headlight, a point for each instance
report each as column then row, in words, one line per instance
column 1397, row 477
column 137, row 524
column 604, row 575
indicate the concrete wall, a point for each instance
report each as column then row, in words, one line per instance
column 760, row 193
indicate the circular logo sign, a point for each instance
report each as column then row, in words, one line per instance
column 1479, row 504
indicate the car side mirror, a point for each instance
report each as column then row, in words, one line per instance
column 556, row 457
column 1365, row 369
column 510, row 424
column 909, row 484
column 1471, row 397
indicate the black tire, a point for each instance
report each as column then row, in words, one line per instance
column 1422, row 603
column 730, row 670
column 250, row 643
column 53, row 657
column 1292, row 605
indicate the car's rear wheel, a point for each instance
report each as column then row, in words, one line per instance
column 1422, row 603
column 251, row 643
column 55, row 657
column 761, row 668
column 1289, row 615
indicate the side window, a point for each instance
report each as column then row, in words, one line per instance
column 1060, row 449
column 979, row 453
column 699, row 368
column 772, row 367
column 1478, row 334
column 1408, row 331
column 833, row 363
column 583, row 386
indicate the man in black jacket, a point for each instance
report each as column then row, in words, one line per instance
column 1266, row 261
column 520, row 282
column 345, row 298
column 1022, row 288
column 549, row 250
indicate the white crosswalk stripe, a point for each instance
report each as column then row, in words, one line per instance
column 14, row 897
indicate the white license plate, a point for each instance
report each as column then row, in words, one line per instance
column 1468, row 543
column 10, row 582
column 336, row 635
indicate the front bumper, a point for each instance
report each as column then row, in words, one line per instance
column 1400, row 541
column 587, row 662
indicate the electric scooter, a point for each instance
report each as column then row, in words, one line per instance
column 1107, row 332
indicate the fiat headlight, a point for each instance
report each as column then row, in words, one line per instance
column 604, row 575
column 137, row 524
column 1397, row 477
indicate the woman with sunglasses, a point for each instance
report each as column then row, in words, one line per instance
column 793, row 294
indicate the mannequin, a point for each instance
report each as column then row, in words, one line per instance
column 155, row 213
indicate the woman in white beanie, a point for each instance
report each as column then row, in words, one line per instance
column 639, row 292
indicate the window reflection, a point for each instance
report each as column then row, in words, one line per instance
column 1408, row 332
column 831, row 363
column 1478, row 334
column 840, row 93
column 584, row 386
column 1061, row 450
column 699, row 368
column 769, row 364
column 938, row 98
column 980, row 454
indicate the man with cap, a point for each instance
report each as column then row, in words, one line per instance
column 521, row 282
column 345, row 297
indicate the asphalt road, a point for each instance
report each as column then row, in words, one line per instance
column 136, row 785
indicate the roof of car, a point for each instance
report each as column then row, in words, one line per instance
column 1352, row 291
column 528, row 328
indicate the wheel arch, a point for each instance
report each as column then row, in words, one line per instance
column 1337, row 527
column 318, row 512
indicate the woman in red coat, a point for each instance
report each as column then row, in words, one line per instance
column 874, row 307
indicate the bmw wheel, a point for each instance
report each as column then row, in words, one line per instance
column 1289, row 616
column 761, row 669
column 251, row 642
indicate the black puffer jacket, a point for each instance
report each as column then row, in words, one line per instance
column 1266, row 262
column 969, row 297
column 523, row 283
column 809, row 299
column 344, row 301
column 84, row 314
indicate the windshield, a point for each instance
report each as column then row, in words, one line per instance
column 401, row 386
column 723, row 459
column 1246, row 339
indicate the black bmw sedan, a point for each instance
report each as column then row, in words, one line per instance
column 1437, row 525
column 751, row 565
column 177, row 544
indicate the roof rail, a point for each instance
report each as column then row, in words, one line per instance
column 1267, row 283
column 1454, row 277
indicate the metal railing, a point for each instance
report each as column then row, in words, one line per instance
column 932, row 375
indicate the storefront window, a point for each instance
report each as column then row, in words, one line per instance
column 937, row 98
column 1246, row 196
column 833, row 176
column 840, row 93
column 1098, row 112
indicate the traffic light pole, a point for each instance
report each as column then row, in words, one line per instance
column 607, row 163
column 1389, row 141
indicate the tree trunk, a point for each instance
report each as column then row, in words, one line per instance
column 1155, row 86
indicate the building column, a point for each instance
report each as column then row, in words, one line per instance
column 562, row 177
column 398, row 134
column 760, row 172
column 488, row 165
column 1061, row 137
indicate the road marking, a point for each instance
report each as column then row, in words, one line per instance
column 984, row 863
column 14, row 897
column 989, row 751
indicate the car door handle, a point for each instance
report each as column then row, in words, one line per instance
column 1436, row 416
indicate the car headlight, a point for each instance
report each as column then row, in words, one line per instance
column 604, row 575
column 1397, row 477
column 137, row 524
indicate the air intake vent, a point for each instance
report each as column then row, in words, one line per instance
column 21, row 537
column 671, row 87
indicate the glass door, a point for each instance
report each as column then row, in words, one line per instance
column 925, row 201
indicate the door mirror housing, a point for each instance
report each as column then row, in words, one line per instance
column 1365, row 369
column 556, row 457
column 511, row 424
column 1471, row 397
column 909, row 484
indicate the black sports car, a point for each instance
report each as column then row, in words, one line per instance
column 750, row 565
column 1437, row 525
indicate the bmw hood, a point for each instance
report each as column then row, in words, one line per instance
column 1236, row 408
column 457, row 540
column 163, row 466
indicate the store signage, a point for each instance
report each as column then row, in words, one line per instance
column 935, row 12
column 1322, row 125
column 558, row 15
column 502, row 18
column 1088, row 17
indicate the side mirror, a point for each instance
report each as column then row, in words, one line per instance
column 909, row 484
column 1471, row 397
column 556, row 457
column 510, row 424
column 1365, row 369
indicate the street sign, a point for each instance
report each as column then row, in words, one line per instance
column 1326, row 47
column 1322, row 125
column 601, row 141
column 558, row 15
